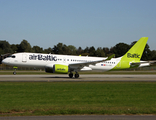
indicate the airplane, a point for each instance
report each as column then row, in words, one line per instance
column 64, row 64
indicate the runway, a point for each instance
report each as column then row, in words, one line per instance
column 84, row 77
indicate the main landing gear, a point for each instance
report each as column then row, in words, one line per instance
column 76, row 75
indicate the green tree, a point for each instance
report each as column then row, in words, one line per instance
column 106, row 51
column 92, row 51
column 79, row 51
column 37, row 49
column 120, row 49
column 66, row 50
column 24, row 46
column 57, row 49
column 48, row 50
column 72, row 50
column 85, row 52
column 5, row 47
column 153, row 52
column 100, row 52
column 14, row 48
column 147, row 54
column 60, row 48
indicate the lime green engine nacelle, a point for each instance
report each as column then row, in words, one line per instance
column 57, row 68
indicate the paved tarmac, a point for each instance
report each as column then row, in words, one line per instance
column 65, row 78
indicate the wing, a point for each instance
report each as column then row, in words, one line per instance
column 78, row 66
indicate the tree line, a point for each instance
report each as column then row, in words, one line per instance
column 119, row 49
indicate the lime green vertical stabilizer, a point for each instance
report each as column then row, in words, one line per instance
column 133, row 55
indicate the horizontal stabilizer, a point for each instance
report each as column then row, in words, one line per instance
column 152, row 62
column 143, row 63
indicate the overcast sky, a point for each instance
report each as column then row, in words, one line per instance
column 82, row 23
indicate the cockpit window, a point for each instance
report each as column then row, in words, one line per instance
column 13, row 56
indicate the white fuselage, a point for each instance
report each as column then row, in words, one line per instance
column 43, row 60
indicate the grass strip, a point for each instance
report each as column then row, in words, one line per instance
column 55, row 98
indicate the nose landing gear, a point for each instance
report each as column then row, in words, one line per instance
column 14, row 70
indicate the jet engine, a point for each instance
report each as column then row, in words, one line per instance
column 57, row 68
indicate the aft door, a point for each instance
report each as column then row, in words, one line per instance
column 24, row 58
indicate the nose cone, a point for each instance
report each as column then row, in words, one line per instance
column 4, row 61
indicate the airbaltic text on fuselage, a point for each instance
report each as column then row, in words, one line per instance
column 129, row 55
column 42, row 57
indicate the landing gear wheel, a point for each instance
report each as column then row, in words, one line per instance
column 14, row 70
column 71, row 75
column 14, row 73
column 76, row 75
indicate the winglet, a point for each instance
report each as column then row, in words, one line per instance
column 110, row 57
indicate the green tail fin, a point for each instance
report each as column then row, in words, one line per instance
column 135, row 53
